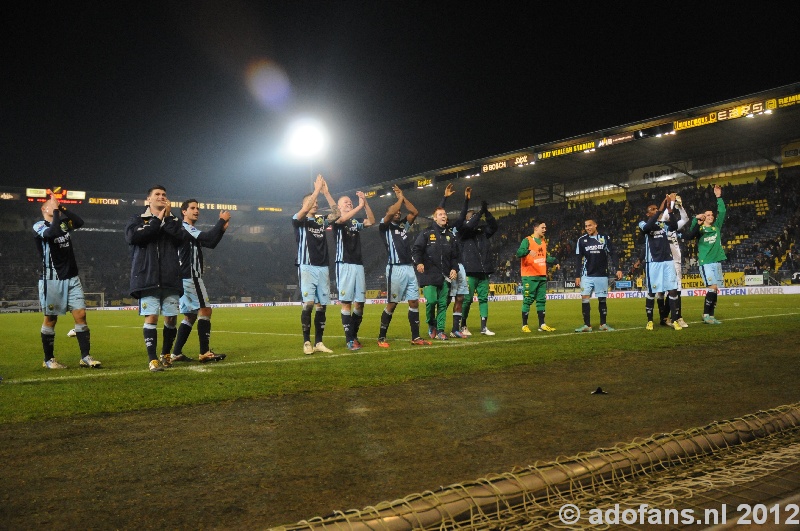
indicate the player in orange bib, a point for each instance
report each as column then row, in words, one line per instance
column 533, row 257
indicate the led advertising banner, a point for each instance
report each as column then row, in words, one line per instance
column 517, row 160
column 566, row 150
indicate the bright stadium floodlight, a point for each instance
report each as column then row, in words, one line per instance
column 306, row 140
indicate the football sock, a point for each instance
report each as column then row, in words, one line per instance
column 663, row 309
column 347, row 322
column 151, row 340
column 204, row 333
column 169, row 334
column 305, row 321
column 356, row 319
column 48, row 342
column 586, row 310
column 675, row 307
column 319, row 324
column 603, row 307
column 649, row 305
column 524, row 318
column 184, row 330
column 708, row 305
column 540, row 314
column 456, row 322
column 713, row 301
column 84, row 342
column 413, row 320
column 386, row 319
column 483, row 323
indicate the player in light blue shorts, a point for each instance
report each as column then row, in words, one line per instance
column 194, row 296
column 159, row 302
column 660, row 277
column 61, row 296
column 459, row 288
column 598, row 285
column 315, row 284
column 712, row 274
column 403, row 285
column 351, row 282
column 60, row 289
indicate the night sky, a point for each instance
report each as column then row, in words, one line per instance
column 116, row 96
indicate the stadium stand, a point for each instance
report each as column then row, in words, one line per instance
column 761, row 233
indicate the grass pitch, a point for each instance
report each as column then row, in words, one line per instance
column 346, row 430
column 265, row 358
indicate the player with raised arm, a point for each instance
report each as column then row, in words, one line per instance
column 710, row 253
column 60, row 289
column 476, row 258
column 312, row 263
column 659, row 271
column 350, row 277
column 459, row 288
column 401, row 281
column 595, row 258
column 195, row 305
column 674, row 237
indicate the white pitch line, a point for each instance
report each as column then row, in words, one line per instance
column 99, row 373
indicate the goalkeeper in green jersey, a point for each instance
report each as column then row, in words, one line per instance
column 707, row 228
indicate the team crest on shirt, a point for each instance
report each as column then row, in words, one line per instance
column 50, row 307
column 432, row 237
column 448, row 237
column 305, row 294
column 144, row 306
column 394, row 295
column 342, row 292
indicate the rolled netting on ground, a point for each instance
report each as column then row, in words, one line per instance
column 752, row 459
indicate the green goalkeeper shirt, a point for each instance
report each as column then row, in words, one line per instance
column 709, row 239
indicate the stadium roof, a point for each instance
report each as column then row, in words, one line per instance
column 754, row 130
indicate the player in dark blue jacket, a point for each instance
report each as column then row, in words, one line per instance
column 155, row 237
column 659, row 271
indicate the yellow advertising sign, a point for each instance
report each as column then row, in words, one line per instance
column 788, row 101
column 525, row 198
column 503, row 289
column 695, row 281
column 709, row 118
column 566, row 150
